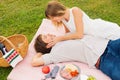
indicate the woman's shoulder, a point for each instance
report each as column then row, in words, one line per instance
column 76, row 10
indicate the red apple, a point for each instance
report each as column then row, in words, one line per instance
column 46, row 69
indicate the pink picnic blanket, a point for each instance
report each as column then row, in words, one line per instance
column 24, row 70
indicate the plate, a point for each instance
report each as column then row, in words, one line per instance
column 83, row 77
column 70, row 72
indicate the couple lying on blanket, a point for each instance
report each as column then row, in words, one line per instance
column 95, row 42
column 100, row 52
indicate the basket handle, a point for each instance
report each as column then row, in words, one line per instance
column 2, row 38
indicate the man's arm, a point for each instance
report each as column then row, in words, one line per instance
column 37, row 60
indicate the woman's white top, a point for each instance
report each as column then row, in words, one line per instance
column 95, row 27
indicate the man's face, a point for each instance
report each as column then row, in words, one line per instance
column 48, row 38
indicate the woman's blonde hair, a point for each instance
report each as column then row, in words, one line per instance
column 55, row 9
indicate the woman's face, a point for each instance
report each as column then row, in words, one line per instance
column 56, row 19
column 48, row 38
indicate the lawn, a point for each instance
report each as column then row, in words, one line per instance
column 25, row 16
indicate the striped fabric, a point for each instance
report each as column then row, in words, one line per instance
column 12, row 57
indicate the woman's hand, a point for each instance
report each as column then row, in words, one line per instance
column 53, row 42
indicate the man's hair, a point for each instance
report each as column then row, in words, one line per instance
column 40, row 45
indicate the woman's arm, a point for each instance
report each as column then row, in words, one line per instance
column 77, row 13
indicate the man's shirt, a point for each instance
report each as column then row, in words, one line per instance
column 86, row 50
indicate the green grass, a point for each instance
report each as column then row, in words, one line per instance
column 25, row 16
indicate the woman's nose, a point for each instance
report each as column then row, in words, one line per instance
column 54, row 19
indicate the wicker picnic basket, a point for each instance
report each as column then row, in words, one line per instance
column 18, row 42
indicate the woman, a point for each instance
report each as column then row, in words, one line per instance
column 77, row 23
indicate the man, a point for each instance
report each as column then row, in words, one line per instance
column 89, row 50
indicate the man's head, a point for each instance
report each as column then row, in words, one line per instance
column 41, row 43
